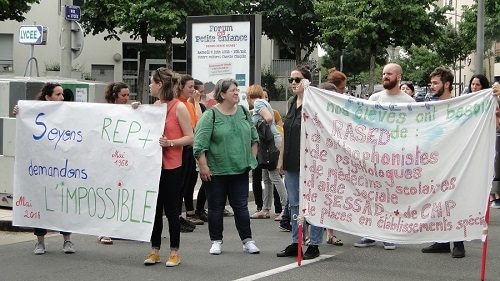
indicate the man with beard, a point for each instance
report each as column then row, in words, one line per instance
column 441, row 86
column 391, row 78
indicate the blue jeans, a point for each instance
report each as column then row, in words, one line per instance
column 292, row 188
column 235, row 188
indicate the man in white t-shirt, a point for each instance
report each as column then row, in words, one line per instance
column 391, row 78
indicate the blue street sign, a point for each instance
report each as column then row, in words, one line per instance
column 72, row 13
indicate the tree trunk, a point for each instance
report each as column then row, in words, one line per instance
column 169, row 53
column 371, row 85
column 143, row 55
column 298, row 57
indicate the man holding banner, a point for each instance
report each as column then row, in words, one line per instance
column 391, row 78
column 441, row 86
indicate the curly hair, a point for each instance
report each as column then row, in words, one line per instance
column 444, row 74
column 112, row 90
column 335, row 77
column 47, row 90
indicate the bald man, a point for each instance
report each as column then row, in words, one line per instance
column 391, row 78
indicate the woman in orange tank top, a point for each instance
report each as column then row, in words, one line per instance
column 177, row 133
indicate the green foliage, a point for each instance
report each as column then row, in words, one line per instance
column 268, row 81
column 291, row 23
column 373, row 25
column 419, row 64
column 468, row 27
column 15, row 9
column 163, row 20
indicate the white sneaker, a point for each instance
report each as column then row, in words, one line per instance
column 249, row 247
column 39, row 248
column 216, row 248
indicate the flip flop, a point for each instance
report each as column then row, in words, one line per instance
column 104, row 240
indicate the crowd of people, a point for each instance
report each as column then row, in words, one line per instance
column 212, row 138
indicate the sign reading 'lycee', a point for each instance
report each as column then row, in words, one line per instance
column 33, row 35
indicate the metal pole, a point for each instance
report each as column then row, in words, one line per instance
column 480, row 37
column 32, row 53
column 65, row 66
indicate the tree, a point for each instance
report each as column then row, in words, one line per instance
column 419, row 63
column 373, row 25
column 164, row 20
column 15, row 9
column 291, row 23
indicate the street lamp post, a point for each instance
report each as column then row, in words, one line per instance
column 480, row 37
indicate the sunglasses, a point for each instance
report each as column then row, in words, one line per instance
column 296, row 79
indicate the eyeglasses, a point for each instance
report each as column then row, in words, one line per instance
column 296, row 79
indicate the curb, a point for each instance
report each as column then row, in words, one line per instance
column 6, row 225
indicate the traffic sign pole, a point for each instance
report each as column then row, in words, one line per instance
column 65, row 70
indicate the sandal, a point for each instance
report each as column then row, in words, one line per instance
column 334, row 241
column 104, row 240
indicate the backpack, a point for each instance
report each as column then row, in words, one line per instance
column 267, row 153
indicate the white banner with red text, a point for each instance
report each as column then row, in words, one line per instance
column 397, row 172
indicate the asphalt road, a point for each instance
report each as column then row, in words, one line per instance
column 123, row 260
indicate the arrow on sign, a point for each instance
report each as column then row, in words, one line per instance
column 31, row 34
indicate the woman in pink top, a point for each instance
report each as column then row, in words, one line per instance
column 176, row 134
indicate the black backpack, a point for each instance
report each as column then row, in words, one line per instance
column 268, row 153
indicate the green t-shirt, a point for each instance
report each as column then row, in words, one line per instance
column 227, row 141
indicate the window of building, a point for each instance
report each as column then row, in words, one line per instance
column 6, row 52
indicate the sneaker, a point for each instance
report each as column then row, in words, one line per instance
column 249, row 247
column 202, row 215
column 389, row 246
column 152, row 259
column 285, row 227
column 39, row 248
column 216, row 248
column 290, row 251
column 173, row 260
column 192, row 218
column 437, row 248
column 68, row 247
column 228, row 213
column 365, row 242
column 458, row 252
column 312, row 252
column 495, row 204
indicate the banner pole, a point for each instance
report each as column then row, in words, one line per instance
column 485, row 242
column 300, row 222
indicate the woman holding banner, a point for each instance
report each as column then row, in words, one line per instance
column 177, row 134
column 115, row 93
column 289, row 162
column 50, row 92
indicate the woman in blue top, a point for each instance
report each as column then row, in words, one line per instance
column 262, row 111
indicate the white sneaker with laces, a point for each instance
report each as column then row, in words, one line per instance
column 39, row 248
column 68, row 247
column 249, row 247
column 216, row 248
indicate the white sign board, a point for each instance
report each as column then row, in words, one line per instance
column 32, row 34
column 402, row 173
column 88, row 168
column 221, row 50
